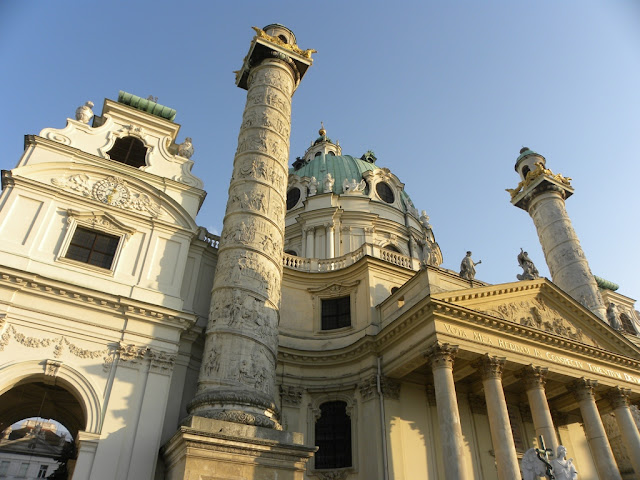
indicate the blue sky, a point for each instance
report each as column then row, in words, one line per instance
column 445, row 93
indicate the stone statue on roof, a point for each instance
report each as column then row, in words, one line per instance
column 84, row 112
column 468, row 267
column 530, row 271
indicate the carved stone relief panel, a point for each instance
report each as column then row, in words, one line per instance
column 537, row 314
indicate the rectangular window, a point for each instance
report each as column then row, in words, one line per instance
column 4, row 467
column 42, row 473
column 336, row 313
column 93, row 247
column 333, row 436
column 23, row 470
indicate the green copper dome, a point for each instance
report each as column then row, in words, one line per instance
column 340, row 167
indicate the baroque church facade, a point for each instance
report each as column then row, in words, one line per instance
column 318, row 337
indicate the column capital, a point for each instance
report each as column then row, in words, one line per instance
column 441, row 354
column 618, row 397
column 490, row 367
column 582, row 388
column 533, row 377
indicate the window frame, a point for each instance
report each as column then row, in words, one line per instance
column 97, row 222
column 331, row 291
column 351, row 411
column 339, row 316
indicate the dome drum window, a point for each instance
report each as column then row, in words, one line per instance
column 293, row 197
column 385, row 193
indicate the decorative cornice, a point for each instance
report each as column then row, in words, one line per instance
column 93, row 299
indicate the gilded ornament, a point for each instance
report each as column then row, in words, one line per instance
column 294, row 48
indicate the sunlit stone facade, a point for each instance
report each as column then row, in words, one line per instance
column 329, row 320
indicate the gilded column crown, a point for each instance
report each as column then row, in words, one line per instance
column 275, row 41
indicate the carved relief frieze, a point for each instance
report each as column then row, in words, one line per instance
column 335, row 289
column 266, row 119
column 259, row 168
column 535, row 313
column 134, row 355
column 251, row 271
column 253, row 232
column 266, row 96
column 113, row 191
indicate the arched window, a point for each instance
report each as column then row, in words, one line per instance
column 333, row 436
column 293, row 196
column 130, row 151
column 627, row 325
column 331, row 154
column 525, row 171
column 318, row 154
column 283, row 38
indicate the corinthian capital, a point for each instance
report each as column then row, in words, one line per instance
column 582, row 388
column 441, row 355
column 533, row 377
column 490, row 367
column 618, row 397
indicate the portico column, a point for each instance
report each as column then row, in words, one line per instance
column 441, row 357
column 503, row 445
column 534, row 381
column 596, row 435
column 619, row 399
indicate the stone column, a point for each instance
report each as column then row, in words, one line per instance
column 619, row 399
column 534, row 381
column 86, row 444
column 501, row 435
column 441, row 356
column 596, row 435
column 237, row 377
column 331, row 251
column 311, row 243
column 543, row 196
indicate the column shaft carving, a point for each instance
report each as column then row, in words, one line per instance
column 534, row 379
column 583, row 390
column 441, row 357
column 619, row 399
column 491, row 369
column 237, row 378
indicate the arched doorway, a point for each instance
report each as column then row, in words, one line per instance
column 39, row 422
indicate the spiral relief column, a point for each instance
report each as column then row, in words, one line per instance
column 237, row 377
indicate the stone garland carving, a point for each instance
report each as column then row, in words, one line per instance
column 59, row 342
column 112, row 191
column 536, row 314
column 291, row 395
column 369, row 388
column 341, row 474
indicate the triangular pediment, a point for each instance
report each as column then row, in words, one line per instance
column 541, row 305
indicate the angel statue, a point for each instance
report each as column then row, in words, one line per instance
column 531, row 466
column 530, row 270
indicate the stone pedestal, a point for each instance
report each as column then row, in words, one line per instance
column 207, row 449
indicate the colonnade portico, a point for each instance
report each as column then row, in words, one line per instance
column 575, row 398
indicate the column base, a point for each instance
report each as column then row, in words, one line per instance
column 210, row 449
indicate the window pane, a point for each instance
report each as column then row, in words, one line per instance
column 92, row 247
column 336, row 313
column 333, row 436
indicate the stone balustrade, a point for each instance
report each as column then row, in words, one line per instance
column 332, row 264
